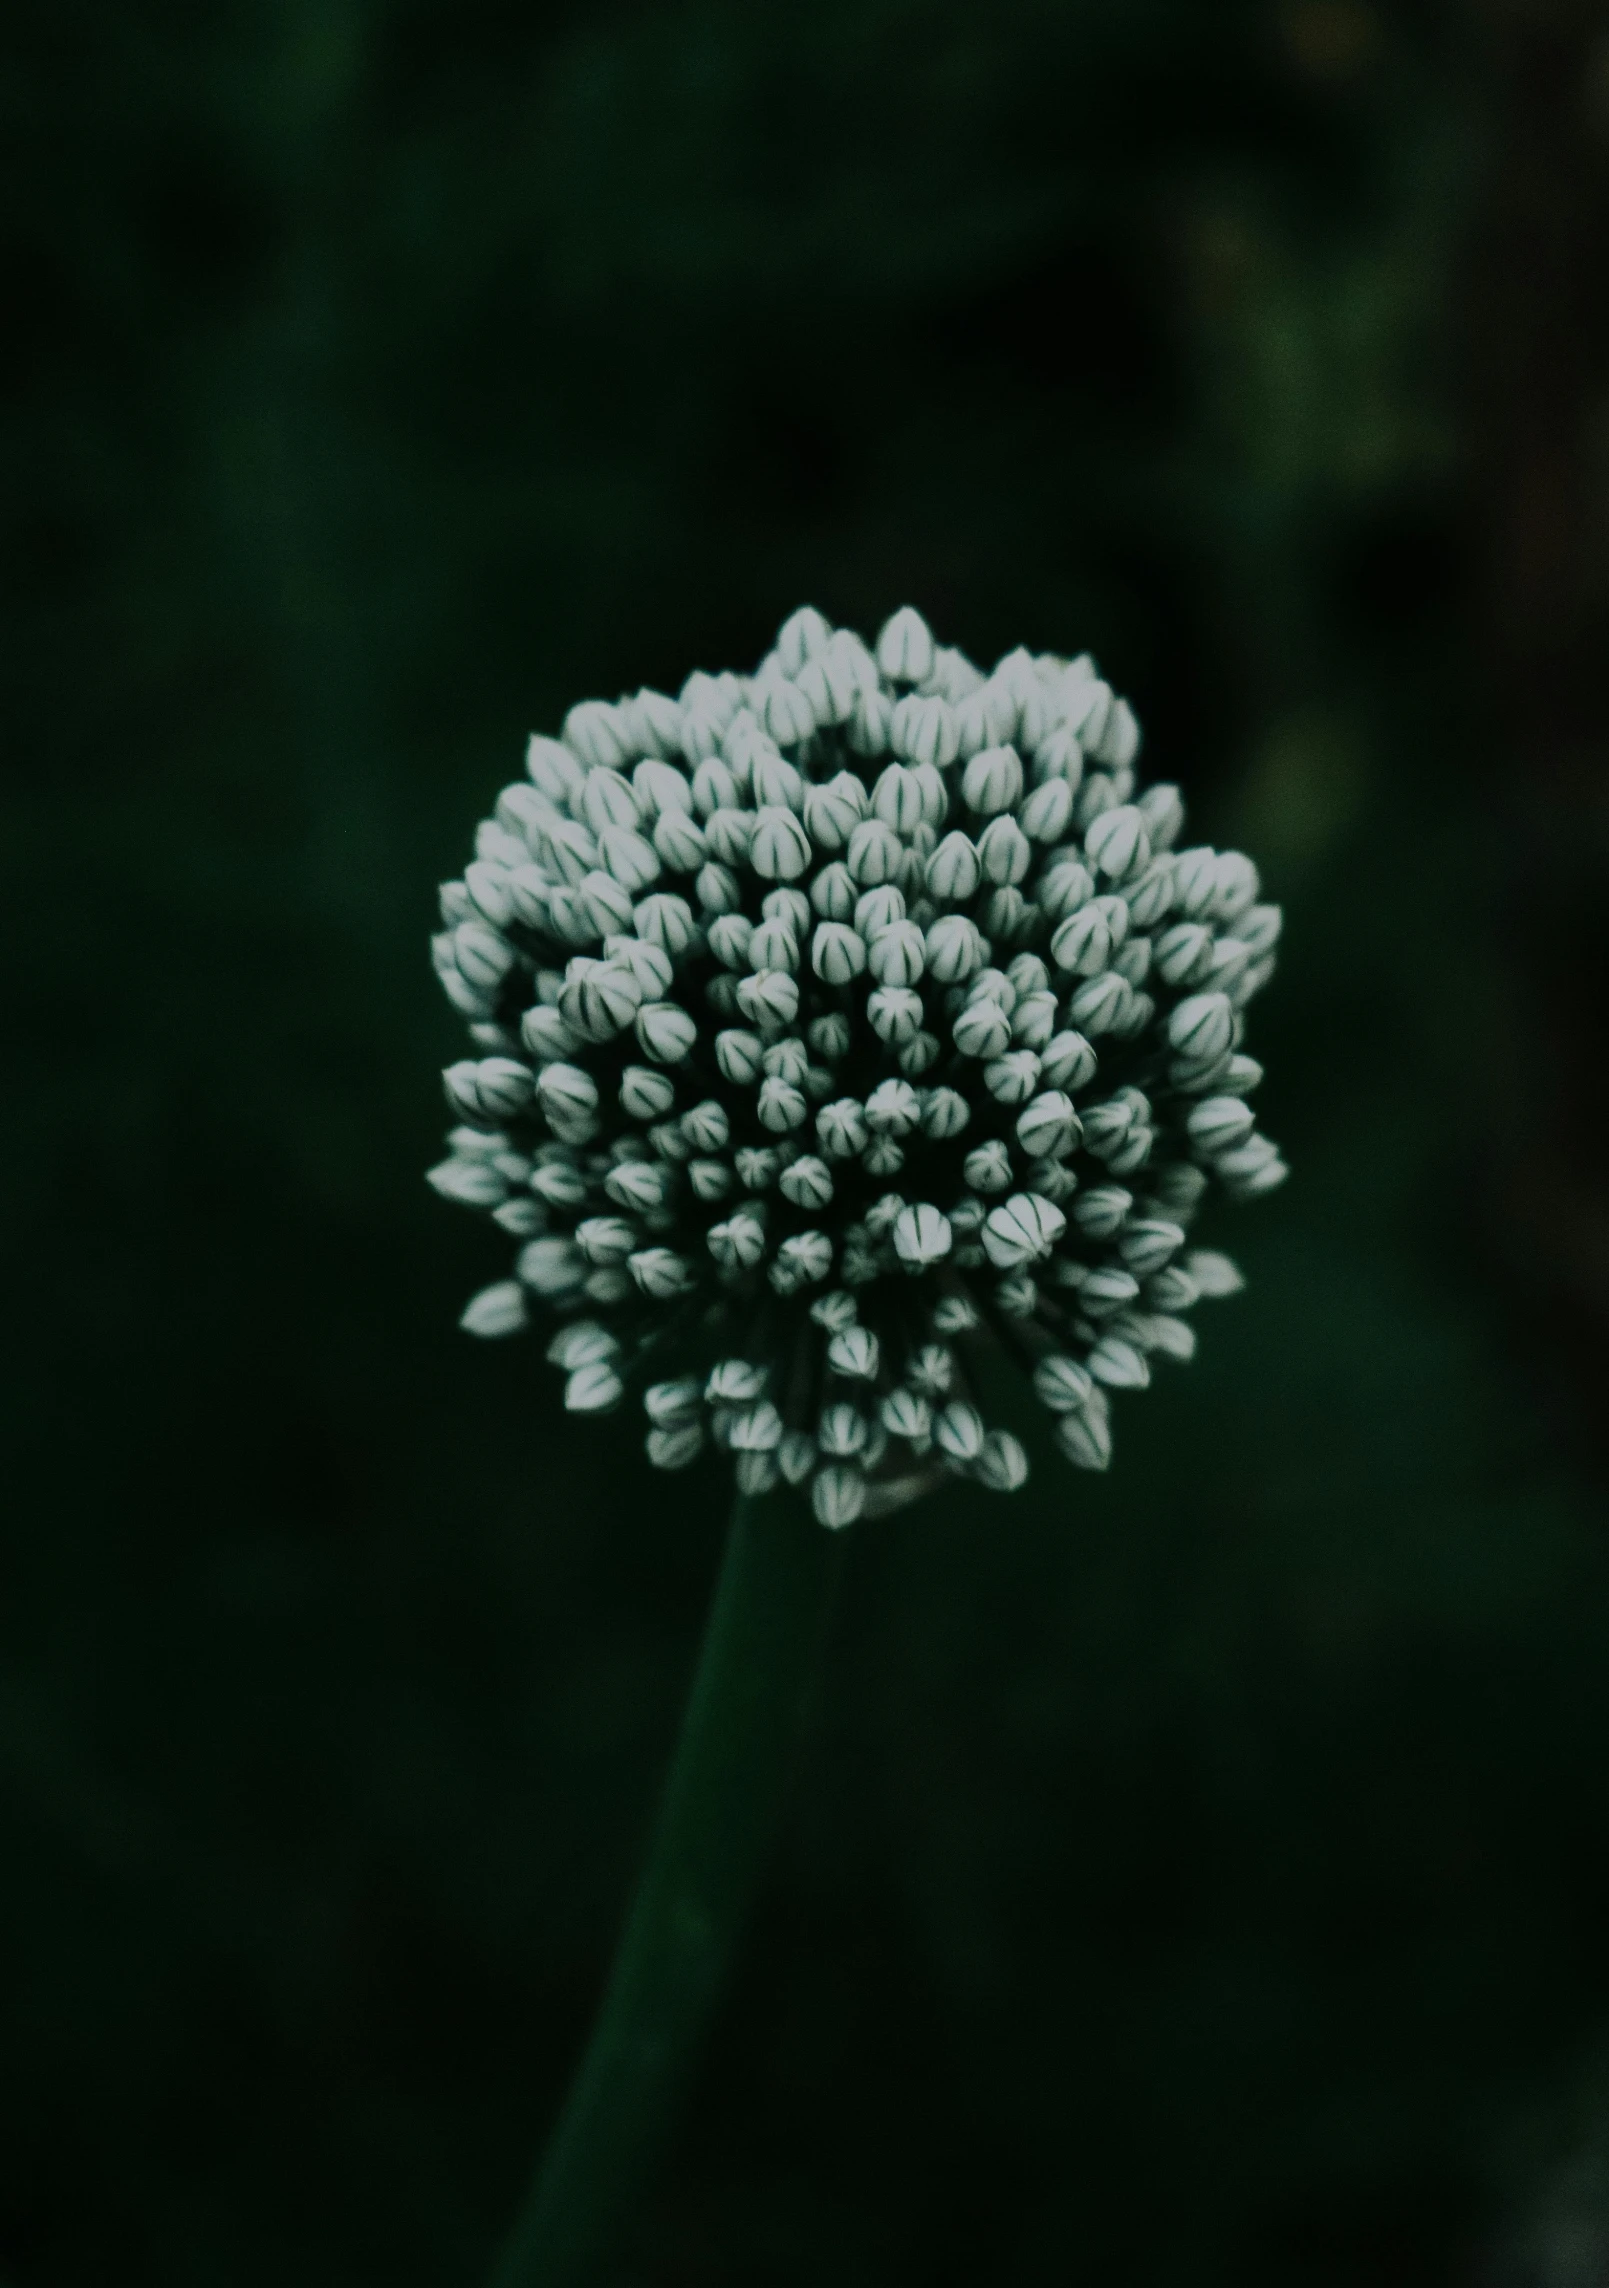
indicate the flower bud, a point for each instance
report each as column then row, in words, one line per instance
column 1023, row 1230
column 660, row 1272
column 780, row 850
column 870, row 721
column 1004, row 851
column 1235, row 886
column 895, row 1013
column 807, row 1183
column 1183, row 954
column 1048, row 811
column 738, row 1243
column 982, row 1030
column 932, row 1369
column 717, row 889
column 924, row 730
column 639, row 1186
column 904, row 1415
column 566, row 1092
column 893, row 1108
column 497, row 1310
column 958, row 1431
column 921, row 1236
column 1100, row 1005
column 1148, row 1243
column 599, row 1000
column 905, row 647
column 841, row 1128
column 992, row 781
column 1065, row 886
column 1061, row 1384
column 1067, row 1061
column 1086, row 1439
column 787, row 712
column 774, row 946
column 837, row 953
column 593, row 1389
column 645, row 1095
column 607, row 800
column 770, row 997
column 1115, row 1362
column 674, row 1448
column 1219, row 1123
column 594, row 732
column 781, row 1106
column 1107, row 1288
column 1049, row 1127
column 838, row 1495
column 1002, row 1465
column 897, row 955
column 804, row 634
column 1012, row 1079
column 1202, row 1027
column 807, row 1257
column 1083, row 943
column 1195, row 880
column 665, row 1032
column 551, row 1266
column 553, row 769
column 945, row 1112
column 987, row 1167
column 875, row 853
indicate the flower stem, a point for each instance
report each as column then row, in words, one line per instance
column 709, row 1847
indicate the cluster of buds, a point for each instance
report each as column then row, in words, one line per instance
column 834, row 1023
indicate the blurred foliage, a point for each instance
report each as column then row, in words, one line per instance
column 1201, row 1871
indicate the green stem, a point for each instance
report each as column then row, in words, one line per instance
column 715, row 1823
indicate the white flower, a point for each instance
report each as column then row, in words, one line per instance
column 834, row 1022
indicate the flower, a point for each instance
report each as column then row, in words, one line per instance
column 834, row 1022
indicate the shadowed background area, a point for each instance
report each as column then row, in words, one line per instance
column 1202, row 1871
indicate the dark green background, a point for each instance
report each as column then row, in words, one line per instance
column 1200, row 1874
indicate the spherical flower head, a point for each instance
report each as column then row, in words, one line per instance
column 835, row 1022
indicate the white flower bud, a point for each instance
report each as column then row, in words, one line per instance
column 660, row 1272
column 484, row 959
column 841, row 1431
column 1106, row 1289
column 599, row 1000
column 837, row 953
column 774, row 946
column 953, row 872
column 803, row 635
column 958, row 1431
column 660, row 787
column 870, row 721
column 1235, row 886
column 780, row 851
column 905, row 647
column 665, row 1032
column 953, row 949
column 607, row 800
column 787, row 712
column 875, row 853
column 758, row 1429
column 992, row 781
column 649, row 964
column 945, row 1112
column 838, row 1495
column 665, row 921
column 833, row 893
column 1202, row 1027
column 1117, row 1363
column 639, row 1186
column 1100, row 1005
column 895, row 1013
column 1149, row 895
column 1219, row 1123
column 1002, row 1465
column 738, row 1055
column 806, row 1257
column 738, row 1244
column 583, row 1343
column 932, row 1369
column 781, row 1106
column 922, row 1236
column 551, row 1266
column 904, row 1415
column 924, row 730
column 1064, row 887
column 1048, row 811
column 897, row 795
column 1085, row 1438
column 1049, row 1127
column 674, row 1448
column 594, row 732
column 987, row 1167
column 796, row 1456
column 497, row 1310
column 1033, row 1021
column 982, row 1030
column 628, row 859
column 1100, row 1212
column 645, row 1095
column 1012, row 1079
column 593, row 1389
column 769, row 998
column 718, row 890
column 778, row 783
column 1022, row 1231
column 1004, row 851
column 729, row 837
column 807, row 1182
column 566, row 1092
column 711, row 1179
column 606, row 1239
column 553, row 769
column 1061, row 1384
column 1195, row 882
column 841, row 1128
column 560, row 1186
